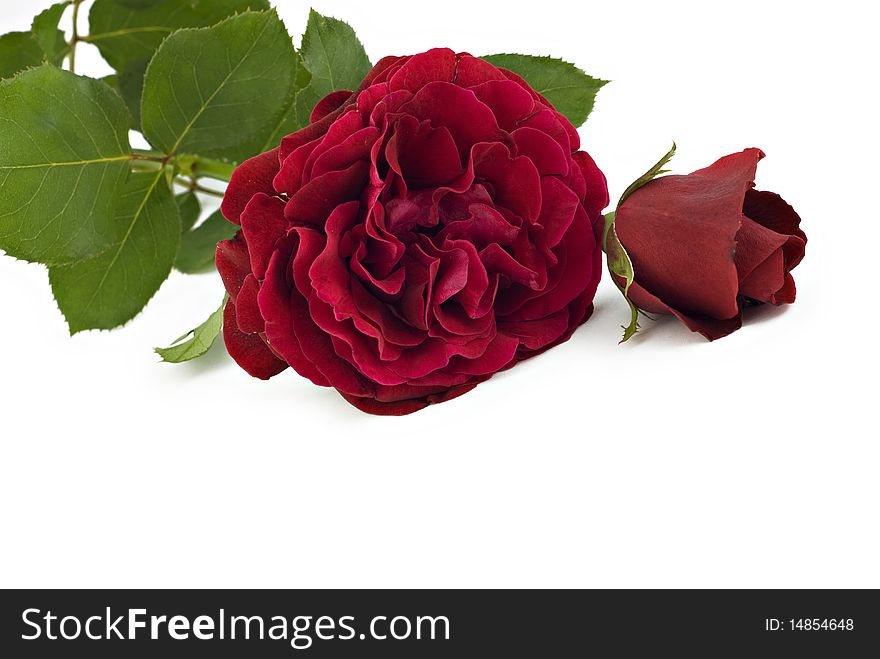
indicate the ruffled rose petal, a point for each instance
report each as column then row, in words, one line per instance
column 233, row 263
column 316, row 129
column 422, row 155
column 470, row 71
column 423, row 69
column 515, row 179
column 313, row 203
column 247, row 311
column 577, row 254
column 248, row 350
column 249, row 178
column 509, row 102
column 499, row 353
column 330, row 103
column 536, row 334
column 483, row 226
column 772, row 211
column 274, row 300
column 558, row 208
column 596, row 196
column 262, row 224
column 545, row 152
column 468, row 119
column 410, row 405
column 356, row 147
column 422, row 233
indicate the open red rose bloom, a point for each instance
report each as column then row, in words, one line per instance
column 422, row 233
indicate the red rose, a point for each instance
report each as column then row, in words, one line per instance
column 423, row 233
column 705, row 245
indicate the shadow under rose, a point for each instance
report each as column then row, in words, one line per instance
column 760, row 313
column 211, row 361
column 670, row 331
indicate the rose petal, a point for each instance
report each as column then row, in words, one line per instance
column 424, row 68
column 468, row 119
column 499, row 353
column 354, row 148
column 274, row 301
column 262, row 224
column 422, row 155
column 247, row 311
column 545, row 152
column 786, row 294
column 515, row 180
column 295, row 140
column 250, row 177
column 578, row 255
column 558, row 208
column 248, row 350
column 509, row 102
column 471, row 71
column 330, row 103
column 710, row 328
column 314, row 202
column 346, row 124
column 535, row 334
column 233, row 263
column 596, row 197
column 410, row 405
column 483, row 226
column 772, row 211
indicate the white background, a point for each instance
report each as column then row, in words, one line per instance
column 665, row 462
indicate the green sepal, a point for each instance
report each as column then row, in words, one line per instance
column 650, row 175
column 619, row 263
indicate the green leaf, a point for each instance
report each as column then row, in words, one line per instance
column 137, row 4
column 214, row 91
column 619, row 264
column 335, row 59
column 18, row 51
column 289, row 122
column 63, row 159
column 129, row 30
column 570, row 90
column 196, row 342
column 197, row 247
column 112, row 288
column 129, row 83
column 189, row 208
column 46, row 32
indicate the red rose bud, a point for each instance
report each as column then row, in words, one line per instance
column 705, row 245
column 424, row 232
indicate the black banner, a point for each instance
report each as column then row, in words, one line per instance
column 438, row 623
